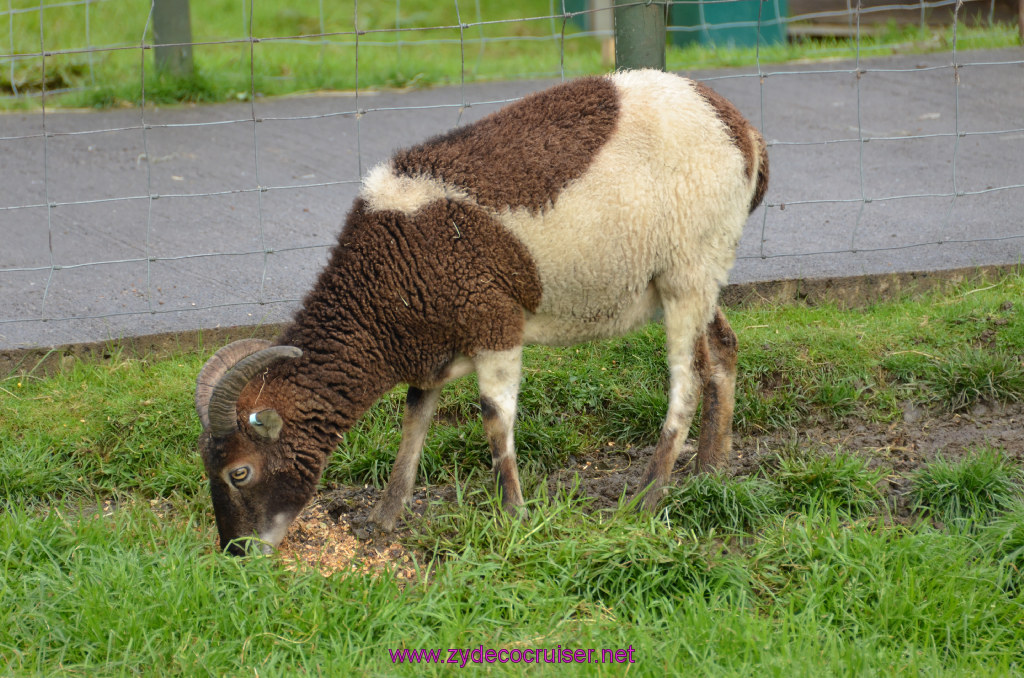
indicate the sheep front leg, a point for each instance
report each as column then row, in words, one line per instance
column 498, row 373
column 419, row 411
column 682, row 326
column 715, row 360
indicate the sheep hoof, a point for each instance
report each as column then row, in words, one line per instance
column 516, row 511
column 381, row 519
column 649, row 497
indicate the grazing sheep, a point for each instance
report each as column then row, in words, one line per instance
column 574, row 214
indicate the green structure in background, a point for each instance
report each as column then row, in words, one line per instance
column 639, row 35
column 584, row 21
column 740, row 24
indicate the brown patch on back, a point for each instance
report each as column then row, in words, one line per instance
column 744, row 136
column 526, row 153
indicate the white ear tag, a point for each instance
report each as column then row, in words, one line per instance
column 266, row 424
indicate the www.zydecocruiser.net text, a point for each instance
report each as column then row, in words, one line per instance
column 478, row 655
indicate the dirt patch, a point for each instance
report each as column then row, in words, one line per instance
column 332, row 534
column 328, row 544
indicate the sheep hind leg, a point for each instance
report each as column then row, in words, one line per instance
column 498, row 373
column 715, row 361
column 682, row 327
column 419, row 411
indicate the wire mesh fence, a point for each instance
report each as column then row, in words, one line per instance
column 147, row 217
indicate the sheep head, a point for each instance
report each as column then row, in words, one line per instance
column 256, row 484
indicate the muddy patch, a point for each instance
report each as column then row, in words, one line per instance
column 332, row 534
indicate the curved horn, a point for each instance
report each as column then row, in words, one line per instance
column 221, row 408
column 217, row 366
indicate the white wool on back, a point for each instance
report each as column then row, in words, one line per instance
column 658, row 212
column 666, row 197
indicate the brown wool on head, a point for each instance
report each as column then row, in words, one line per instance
column 526, row 153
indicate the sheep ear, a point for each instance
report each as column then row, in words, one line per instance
column 266, row 424
column 220, row 409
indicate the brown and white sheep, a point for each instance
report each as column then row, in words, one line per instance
column 573, row 214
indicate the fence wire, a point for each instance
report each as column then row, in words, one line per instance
column 162, row 269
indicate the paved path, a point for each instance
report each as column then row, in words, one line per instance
column 213, row 250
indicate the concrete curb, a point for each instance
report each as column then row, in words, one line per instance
column 845, row 292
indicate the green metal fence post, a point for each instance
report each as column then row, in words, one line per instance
column 172, row 36
column 639, row 34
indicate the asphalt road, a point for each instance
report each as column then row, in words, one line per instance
column 126, row 222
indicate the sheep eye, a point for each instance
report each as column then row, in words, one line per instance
column 240, row 475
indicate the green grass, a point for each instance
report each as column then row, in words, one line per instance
column 108, row 567
column 892, row 39
column 300, row 51
column 906, row 589
column 969, row 376
column 810, row 594
column 712, row 504
column 840, row 482
column 1003, row 538
column 969, row 490
column 109, row 430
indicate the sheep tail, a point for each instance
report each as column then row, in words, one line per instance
column 760, row 177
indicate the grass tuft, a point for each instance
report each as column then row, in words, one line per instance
column 708, row 504
column 967, row 491
column 969, row 376
column 842, row 482
column 1003, row 541
column 99, row 430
